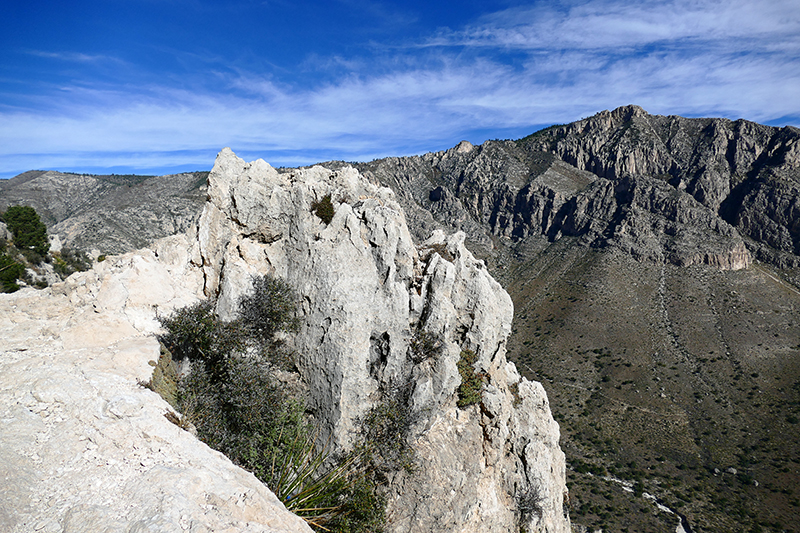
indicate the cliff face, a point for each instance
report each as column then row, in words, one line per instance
column 367, row 291
column 745, row 172
column 87, row 449
column 587, row 181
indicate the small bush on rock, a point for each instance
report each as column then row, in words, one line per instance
column 70, row 260
column 268, row 309
column 386, row 430
column 424, row 345
column 10, row 272
column 237, row 407
column 324, row 209
column 469, row 392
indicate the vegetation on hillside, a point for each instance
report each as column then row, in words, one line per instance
column 25, row 256
column 232, row 397
column 30, row 233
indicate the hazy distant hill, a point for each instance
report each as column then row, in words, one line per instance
column 653, row 263
column 110, row 214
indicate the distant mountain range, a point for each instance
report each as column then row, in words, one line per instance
column 654, row 264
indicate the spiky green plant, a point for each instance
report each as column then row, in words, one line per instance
column 313, row 492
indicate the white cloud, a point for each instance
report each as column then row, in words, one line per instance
column 600, row 24
column 734, row 59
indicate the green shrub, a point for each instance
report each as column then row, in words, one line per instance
column 469, row 392
column 70, row 260
column 10, row 272
column 270, row 307
column 386, row 429
column 28, row 230
column 238, row 408
column 195, row 332
column 324, row 209
column 164, row 380
column 424, row 345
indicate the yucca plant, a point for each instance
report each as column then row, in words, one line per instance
column 308, row 489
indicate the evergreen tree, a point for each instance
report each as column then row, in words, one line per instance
column 28, row 230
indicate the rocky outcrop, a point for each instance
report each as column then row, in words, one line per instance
column 746, row 172
column 83, row 447
column 367, row 291
column 514, row 190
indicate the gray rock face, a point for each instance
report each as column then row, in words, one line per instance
column 746, row 172
column 503, row 190
column 366, row 290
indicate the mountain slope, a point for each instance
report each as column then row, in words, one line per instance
column 627, row 242
column 110, row 214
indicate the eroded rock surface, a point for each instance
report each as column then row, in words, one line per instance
column 87, row 449
column 83, row 447
column 367, row 290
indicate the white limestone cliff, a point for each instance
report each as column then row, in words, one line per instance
column 84, row 448
column 366, row 290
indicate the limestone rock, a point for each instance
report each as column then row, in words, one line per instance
column 83, row 447
column 366, row 290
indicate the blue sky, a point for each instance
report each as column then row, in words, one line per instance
column 158, row 86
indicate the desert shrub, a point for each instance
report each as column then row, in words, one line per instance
column 230, row 396
column 70, row 260
column 10, row 272
column 363, row 510
column 269, row 308
column 28, row 230
column 386, row 429
column 195, row 332
column 424, row 345
column 469, row 392
column 324, row 209
column 529, row 504
column 164, row 380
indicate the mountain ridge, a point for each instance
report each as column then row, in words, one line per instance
column 654, row 270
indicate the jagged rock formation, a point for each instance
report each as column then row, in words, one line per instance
column 746, row 172
column 85, row 449
column 366, row 291
column 660, row 188
column 108, row 214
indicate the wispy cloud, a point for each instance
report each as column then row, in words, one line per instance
column 510, row 71
column 73, row 57
column 601, row 24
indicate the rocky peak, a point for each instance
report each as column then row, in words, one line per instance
column 367, row 291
